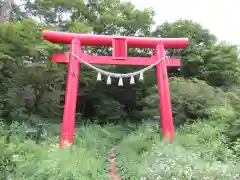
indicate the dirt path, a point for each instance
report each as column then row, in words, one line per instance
column 113, row 173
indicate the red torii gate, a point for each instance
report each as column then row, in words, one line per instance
column 119, row 56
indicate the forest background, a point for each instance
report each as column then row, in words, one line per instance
column 204, row 91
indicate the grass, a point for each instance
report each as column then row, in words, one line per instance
column 199, row 152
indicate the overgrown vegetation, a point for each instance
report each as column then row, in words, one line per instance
column 205, row 99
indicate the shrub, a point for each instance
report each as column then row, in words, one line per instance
column 175, row 162
column 109, row 110
column 234, row 97
column 200, row 152
column 190, row 100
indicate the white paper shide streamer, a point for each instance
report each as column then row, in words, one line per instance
column 120, row 81
column 132, row 80
column 99, row 76
column 109, row 80
column 141, row 78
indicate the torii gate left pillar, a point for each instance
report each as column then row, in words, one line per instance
column 119, row 57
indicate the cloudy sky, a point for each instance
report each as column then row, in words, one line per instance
column 221, row 17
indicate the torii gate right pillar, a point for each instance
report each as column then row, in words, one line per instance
column 164, row 95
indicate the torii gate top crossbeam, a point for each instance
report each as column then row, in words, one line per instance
column 104, row 40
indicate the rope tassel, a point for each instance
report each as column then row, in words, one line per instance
column 108, row 80
column 132, row 81
column 120, row 82
column 99, row 76
column 141, row 78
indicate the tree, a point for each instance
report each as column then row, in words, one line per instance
column 204, row 58
column 27, row 86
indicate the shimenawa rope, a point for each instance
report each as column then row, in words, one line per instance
column 118, row 75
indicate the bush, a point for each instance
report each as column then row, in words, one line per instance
column 23, row 159
column 175, row 162
column 236, row 147
column 234, row 97
column 109, row 110
column 190, row 100
column 200, row 152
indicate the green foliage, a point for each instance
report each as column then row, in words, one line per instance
column 199, row 152
column 186, row 28
column 32, row 84
column 233, row 132
column 205, row 99
column 27, row 82
column 236, row 147
column 218, row 64
column 175, row 162
column 109, row 110
column 191, row 100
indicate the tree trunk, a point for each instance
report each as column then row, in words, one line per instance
column 5, row 10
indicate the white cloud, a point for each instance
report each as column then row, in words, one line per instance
column 220, row 17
